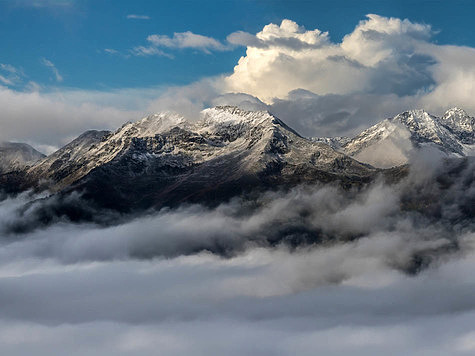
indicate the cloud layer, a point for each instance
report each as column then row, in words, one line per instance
column 153, row 285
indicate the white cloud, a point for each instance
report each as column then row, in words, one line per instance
column 149, row 51
column 5, row 80
column 180, row 40
column 141, row 287
column 384, row 66
column 288, row 35
column 8, row 68
column 138, row 17
column 53, row 68
column 10, row 75
column 111, row 51
column 381, row 55
column 45, row 3
column 53, row 118
column 186, row 40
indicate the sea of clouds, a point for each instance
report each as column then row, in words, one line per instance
column 313, row 269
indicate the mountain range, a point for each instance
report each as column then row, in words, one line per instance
column 392, row 141
column 165, row 160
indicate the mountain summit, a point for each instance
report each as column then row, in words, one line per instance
column 15, row 156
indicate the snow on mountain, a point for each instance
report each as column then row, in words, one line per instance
column 67, row 159
column 461, row 124
column 334, row 142
column 165, row 158
column 392, row 141
column 14, row 156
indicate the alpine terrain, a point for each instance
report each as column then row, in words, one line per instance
column 165, row 160
column 392, row 141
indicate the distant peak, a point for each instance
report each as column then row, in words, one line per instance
column 455, row 111
column 162, row 116
column 417, row 112
column 235, row 110
column 222, row 114
column 416, row 115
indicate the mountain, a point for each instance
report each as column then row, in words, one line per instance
column 69, row 162
column 165, row 160
column 15, row 156
column 392, row 141
column 460, row 124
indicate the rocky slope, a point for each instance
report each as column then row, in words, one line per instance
column 15, row 156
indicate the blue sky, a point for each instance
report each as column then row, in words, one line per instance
column 73, row 35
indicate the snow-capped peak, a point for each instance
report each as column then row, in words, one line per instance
column 459, row 122
column 155, row 123
column 455, row 111
column 452, row 134
column 416, row 119
column 233, row 114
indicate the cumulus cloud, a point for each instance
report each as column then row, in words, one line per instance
column 384, row 66
column 381, row 55
column 288, row 35
column 53, row 68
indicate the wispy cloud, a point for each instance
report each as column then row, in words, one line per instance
column 187, row 39
column 44, row 3
column 10, row 75
column 149, row 51
column 111, row 51
column 138, row 17
column 53, row 68
column 8, row 68
column 5, row 80
column 179, row 40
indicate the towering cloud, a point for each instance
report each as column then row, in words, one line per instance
column 384, row 66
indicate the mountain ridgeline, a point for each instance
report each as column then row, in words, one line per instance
column 164, row 160
column 391, row 142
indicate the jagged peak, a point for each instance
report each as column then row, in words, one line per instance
column 152, row 124
column 455, row 111
column 228, row 113
column 232, row 115
column 92, row 133
column 160, row 119
column 417, row 119
column 415, row 113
